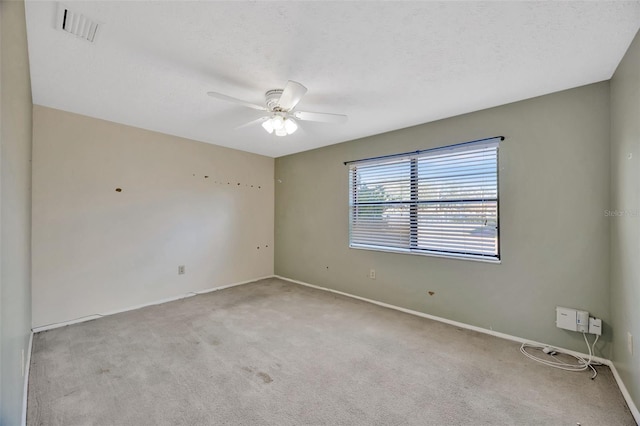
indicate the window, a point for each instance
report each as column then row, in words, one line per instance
column 442, row 201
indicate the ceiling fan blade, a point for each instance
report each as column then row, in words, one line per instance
column 235, row 100
column 321, row 117
column 291, row 95
column 253, row 122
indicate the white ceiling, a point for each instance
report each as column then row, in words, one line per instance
column 387, row 65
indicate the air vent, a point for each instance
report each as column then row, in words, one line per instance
column 77, row 24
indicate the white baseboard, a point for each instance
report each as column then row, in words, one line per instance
column 144, row 305
column 625, row 393
column 253, row 280
column 65, row 323
column 445, row 320
column 608, row 363
column 25, row 390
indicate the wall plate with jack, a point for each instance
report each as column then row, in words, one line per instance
column 595, row 326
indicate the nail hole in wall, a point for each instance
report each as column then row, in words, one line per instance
column 431, row 293
column 118, row 189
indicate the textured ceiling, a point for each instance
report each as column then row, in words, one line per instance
column 387, row 65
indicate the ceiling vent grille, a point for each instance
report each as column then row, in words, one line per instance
column 77, row 24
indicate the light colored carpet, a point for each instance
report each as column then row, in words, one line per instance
column 276, row 353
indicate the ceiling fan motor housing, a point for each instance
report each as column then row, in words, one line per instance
column 272, row 97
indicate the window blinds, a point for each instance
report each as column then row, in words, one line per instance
column 442, row 201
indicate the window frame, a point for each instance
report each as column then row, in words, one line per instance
column 415, row 203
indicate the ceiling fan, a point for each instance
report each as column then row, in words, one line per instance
column 280, row 108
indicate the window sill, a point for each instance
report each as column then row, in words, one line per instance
column 427, row 253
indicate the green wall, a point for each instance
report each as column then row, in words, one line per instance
column 625, row 229
column 554, row 188
column 15, row 208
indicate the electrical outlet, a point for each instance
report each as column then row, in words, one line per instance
column 630, row 343
column 181, row 270
column 372, row 274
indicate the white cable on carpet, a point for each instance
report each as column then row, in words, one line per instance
column 582, row 365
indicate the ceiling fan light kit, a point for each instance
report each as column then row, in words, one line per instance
column 280, row 104
column 282, row 126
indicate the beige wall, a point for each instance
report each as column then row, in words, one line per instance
column 554, row 187
column 96, row 250
column 15, row 208
column 625, row 230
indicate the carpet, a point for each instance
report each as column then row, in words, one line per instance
column 277, row 353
